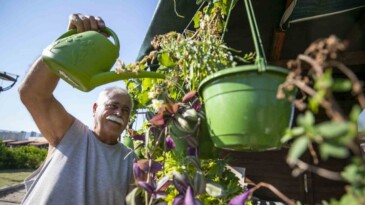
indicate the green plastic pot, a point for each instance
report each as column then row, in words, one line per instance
column 206, row 149
column 242, row 111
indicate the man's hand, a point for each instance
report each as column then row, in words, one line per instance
column 83, row 23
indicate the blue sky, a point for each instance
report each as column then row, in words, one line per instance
column 28, row 26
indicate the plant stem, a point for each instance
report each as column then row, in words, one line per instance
column 157, row 142
column 146, row 198
column 317, row 170
column 275, row 191
column 356, row 84
column 313, row 153
column 331, row 107
column 177, row 14
column 226, row 23
column 315, row 65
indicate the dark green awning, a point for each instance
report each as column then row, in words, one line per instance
column 269, row 14
column 303, row 10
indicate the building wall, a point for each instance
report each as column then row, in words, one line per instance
column 13, row 135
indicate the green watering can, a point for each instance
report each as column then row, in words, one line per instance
column 84, row 59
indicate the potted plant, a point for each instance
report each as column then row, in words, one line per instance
column 166, row 174
column 242, row 111
column 176, row 163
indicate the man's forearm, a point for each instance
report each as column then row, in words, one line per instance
column 39, row 82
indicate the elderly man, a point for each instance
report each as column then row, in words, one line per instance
column 83, row 166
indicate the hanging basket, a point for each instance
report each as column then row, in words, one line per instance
column 242, row 111
column 206, row 149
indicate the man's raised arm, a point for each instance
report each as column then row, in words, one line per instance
column 36, row 90
column 36, row 93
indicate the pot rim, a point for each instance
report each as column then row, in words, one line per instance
column 239, row 69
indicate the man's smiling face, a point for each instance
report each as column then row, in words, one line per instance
column 111, row 116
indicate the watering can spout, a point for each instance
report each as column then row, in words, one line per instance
column 108, row 77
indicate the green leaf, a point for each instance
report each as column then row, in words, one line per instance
column 192, row 141
column 297, row 149
column 297, row 131
column 350, row 173
column 341, row 85
column 291, row 133
column 196, row 19
column 325, row 81
column 190, row 115
column 349, row 199
column 306, row 120
column 199, row 1
column 333, row 129
column 199, row 182
column 182, row 124
column 355, row 113
column 332, row 150
column 194, row 161
column 143, row 99
column 288, row 136
column 166, row 60
column 146, row 84
column 132, row 197
column 214, row 190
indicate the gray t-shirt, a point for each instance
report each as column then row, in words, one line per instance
column 82, row 170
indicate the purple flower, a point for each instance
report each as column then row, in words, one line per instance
column 241, row 199
column 181, row 182
column 169, row 143
column 148, row 166
column 142, row 167
column 197, row 105
column 151, row 189
column 189, row 197
column 179, row 200
column 191, row 151
column 189, row 96
column 139, row 137
column 153, row 129
column 158, row 120
column 156, row 190
column 138, row 173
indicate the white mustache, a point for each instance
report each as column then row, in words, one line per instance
column 115, row 119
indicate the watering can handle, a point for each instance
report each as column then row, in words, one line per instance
column 106, row 30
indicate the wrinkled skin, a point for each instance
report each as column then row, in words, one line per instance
column 111, row 115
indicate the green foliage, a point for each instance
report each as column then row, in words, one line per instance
column 297, row 149
column 24, row 157
column 185, row 59
column 334, row 137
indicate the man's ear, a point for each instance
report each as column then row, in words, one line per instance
column 95, row 105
